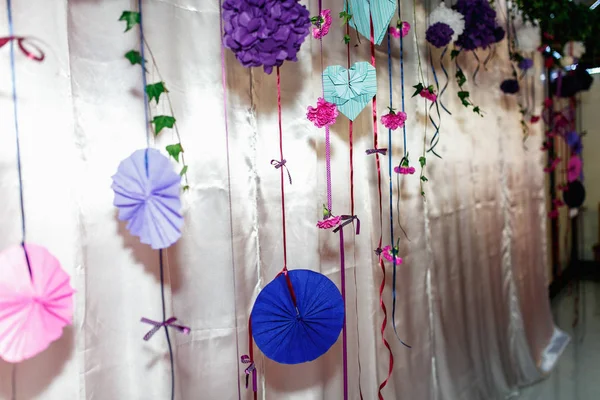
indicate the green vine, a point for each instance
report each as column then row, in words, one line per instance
column 461, row 80
column 154, row 92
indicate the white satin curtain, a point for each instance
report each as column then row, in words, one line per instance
column 471, row 293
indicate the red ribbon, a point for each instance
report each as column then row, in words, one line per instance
column 21, row 41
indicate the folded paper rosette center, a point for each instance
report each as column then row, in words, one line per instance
column 292, row 336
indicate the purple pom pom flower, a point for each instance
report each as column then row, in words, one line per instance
column 481, row 27
column 510, row 86
column 439, row 34
column 265, row 32
column 526, row 64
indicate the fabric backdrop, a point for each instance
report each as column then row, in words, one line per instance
column 471, row 293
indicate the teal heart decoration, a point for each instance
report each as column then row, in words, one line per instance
column 350, row 89
column 382, row 12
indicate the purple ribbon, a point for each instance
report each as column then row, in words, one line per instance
column 168, row 323
column 279, row 164
column 378, row 151
column 348, row 219
column 250, row 369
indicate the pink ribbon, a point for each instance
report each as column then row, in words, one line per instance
column 168, row 323
column 279, row 164
column 348, row 219
column 250, row 369
column 21, row 41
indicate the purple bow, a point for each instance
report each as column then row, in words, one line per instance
column 250, row 369
column 168, row 323
column 279, row 164
column 348, row 220
column 378, row 151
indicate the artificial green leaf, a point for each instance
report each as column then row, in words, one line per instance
column 422, row 193
column 154, row 91
column 430, row 89
column 183, row 170
column 463, row 95
column 461, row 79
column 131, row 18
column 174, row 150
column 346, row 39
column 326, row 212
column 418, row 89
column 186, row 187
column 162, row 121
column 477, row 110
column 454, row 54
column 345, row 17
column 134, row 57
column 424, row 179
column 422, row 161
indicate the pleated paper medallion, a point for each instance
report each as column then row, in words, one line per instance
column 292, row 336
column 147, row 194
column 34, row 308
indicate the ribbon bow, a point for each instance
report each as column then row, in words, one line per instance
column 279, row 164
column 250, row 369
column 378, row 151
column 347, row 219
column 21, row 41
column 168, row 323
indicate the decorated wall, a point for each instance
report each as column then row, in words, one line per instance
column 428, row 234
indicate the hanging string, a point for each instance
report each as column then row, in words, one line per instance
column 165, row 323
column 352, row 212
column 233, row 266
column 436, row 135
column 17, row 137
column 441, row 92
column 390, row 174
column 381, row 264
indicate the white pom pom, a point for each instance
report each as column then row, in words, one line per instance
column 528, row 38
column 574, row 49
column 453, row 19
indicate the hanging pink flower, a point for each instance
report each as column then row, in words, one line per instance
column 329, row 223
column 324, row 114
column 393, row 120
column 404, row 170
column 548, row 102
column 534, row 119
column 574, row 168
column 429, row 95
column 323, row 23
column 388, row 254
column 401, row 29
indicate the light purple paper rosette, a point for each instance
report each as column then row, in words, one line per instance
column 147, row 193
column 265, row 32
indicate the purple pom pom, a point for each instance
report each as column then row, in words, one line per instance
column 481, row 28
column 439, row 34
column 265, row 32
column 510, row 86
column 526, row 64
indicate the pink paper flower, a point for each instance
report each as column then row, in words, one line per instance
column 428, row 95
column 329, row 223
column 323, row 26
column 386, row 252
column 324, row 114
column 548, row 102
column 534, row 119
column 574, row 168
column 553, row 165
column 404, row 170
column 394, row 120
column 401, row 29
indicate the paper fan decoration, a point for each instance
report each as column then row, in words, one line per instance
column 290, row 336
column 147, row 190
column 33, row 309
column 574, row 168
